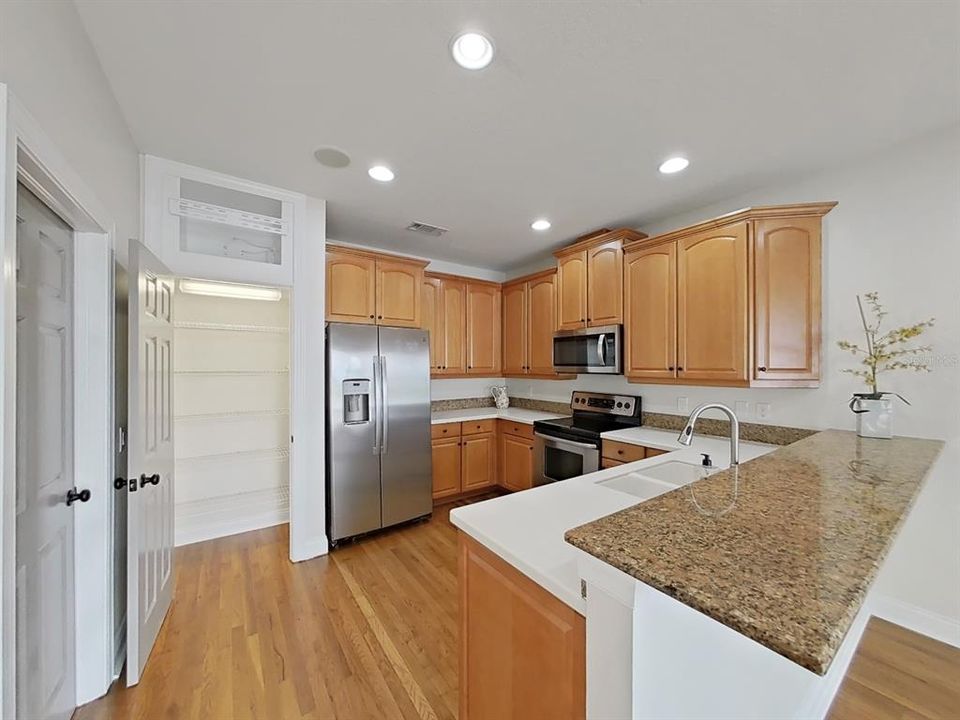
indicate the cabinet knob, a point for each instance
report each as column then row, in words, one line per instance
column 679, row 369
column 670, row 368
column 762, row 368
column 371, row 317
column 379, row 317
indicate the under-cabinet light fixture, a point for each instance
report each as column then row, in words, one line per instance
column 229, row 290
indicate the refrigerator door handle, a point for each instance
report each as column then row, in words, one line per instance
column 384, row 417
column 377, row 405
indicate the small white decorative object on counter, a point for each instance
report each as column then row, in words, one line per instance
column 874, row 416
column 500, row 397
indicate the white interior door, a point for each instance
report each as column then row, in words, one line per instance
column 150, row 455
column 46, row 672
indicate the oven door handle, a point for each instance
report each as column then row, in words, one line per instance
column 553, row 439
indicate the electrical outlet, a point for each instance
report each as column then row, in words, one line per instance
column 683, row 404
column 742, row 408
column 763, row 411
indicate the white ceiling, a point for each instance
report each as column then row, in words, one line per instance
column 570, row 121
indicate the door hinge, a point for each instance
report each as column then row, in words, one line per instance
column 583, row 589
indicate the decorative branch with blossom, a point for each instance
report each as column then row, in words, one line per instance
column 887, row 351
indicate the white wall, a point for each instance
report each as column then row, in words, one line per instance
column 52, row 69
column 232, row 430
column 895, row 230
column 454, row 388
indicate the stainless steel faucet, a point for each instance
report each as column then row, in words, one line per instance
column 686, row 435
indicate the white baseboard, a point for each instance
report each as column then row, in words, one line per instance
column 230, row 514
column 939, row 627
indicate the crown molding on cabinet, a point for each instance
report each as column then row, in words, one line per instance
column 760, row 212
column 626, row 235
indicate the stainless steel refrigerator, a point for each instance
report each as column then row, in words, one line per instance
column 379, row 469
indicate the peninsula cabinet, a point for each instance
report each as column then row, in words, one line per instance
column 373, row 288
column 732, row 301
column 590, row 279
column 529, row 322
column 522, row 650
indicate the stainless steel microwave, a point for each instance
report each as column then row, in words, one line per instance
column 589, row 350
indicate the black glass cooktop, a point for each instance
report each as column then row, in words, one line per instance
column 587, row 425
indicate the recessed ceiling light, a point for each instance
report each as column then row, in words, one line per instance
column 381, row 173
column 673, row 165
column 541, row 224
column 331, row 157
column 471, row 50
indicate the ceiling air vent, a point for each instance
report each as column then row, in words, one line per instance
column 426, row 229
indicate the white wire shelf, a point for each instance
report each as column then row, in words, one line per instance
column 277, row 454
column 209, row 212
column 231, row 415
column 229, row 373
column 274, row 329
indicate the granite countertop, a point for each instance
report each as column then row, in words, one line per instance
column 783, row 549
column 519, row 415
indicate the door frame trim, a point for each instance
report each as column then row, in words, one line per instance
column 27, row 154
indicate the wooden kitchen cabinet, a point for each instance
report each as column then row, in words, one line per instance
column 787, row 299
column 731, row 301
column 514, row 329
column 605, row 284
column 351, row 287
column 478, row 461
column 650, row 312
column 373, row 288
column 572, row 291
column 590, row 279
column 483, row 328
column 522, row 650
column 446, row 466
column 444, row 316
column 529, row 323
column 464, row 457
column 516, row 461
column 712, row 305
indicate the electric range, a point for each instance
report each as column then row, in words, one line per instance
column 570, row 446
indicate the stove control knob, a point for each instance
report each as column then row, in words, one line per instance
column 619, row 404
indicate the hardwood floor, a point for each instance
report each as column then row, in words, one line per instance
column 370, row 631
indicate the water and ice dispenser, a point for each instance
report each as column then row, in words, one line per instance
column 356, row 401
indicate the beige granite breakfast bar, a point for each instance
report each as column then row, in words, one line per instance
column 782, row 549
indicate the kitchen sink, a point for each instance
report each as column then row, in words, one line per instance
column 658, row 479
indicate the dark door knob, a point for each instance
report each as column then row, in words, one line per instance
column 119, row 483
column 151, row 479
column 762, row 368
column 73, row 495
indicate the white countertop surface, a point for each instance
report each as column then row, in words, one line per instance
column 526, row 528
column 486, row 413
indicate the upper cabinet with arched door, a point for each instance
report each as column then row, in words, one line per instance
column 730, row 301
column 372, row 288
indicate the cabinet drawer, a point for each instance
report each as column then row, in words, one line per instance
column 478, row 426
column 445, row 430
column 516, row 428
column 608, row 463
column 624, row 452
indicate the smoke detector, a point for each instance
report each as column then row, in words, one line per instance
column 427, row 229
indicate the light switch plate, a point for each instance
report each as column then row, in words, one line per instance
column 763, row 411
column 683, row 404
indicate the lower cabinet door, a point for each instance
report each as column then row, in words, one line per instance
column 478, row 461
column 516, row 462
column 446, row 466
column 522, row 650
